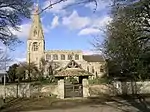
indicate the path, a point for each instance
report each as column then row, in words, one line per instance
column 94, row 108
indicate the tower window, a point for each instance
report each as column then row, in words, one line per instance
column 76, row 57
column 62, row 57
column 35, row 46
column 69, row 57
column 55, row 57
column 48, row 57
column 35, row 31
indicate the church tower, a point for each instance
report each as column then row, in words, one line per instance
column 35, row 42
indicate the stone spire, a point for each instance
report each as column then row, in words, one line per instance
column 35, row 42
column 36, row 31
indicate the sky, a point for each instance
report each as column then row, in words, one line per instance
column 67, row 27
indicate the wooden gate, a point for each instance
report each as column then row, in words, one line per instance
column 73, row 90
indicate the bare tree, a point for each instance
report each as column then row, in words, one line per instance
column 34, row 72
column 78, row 2
column 11, row 15
column 4, row 59
column 48, row 67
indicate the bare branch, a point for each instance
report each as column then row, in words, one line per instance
column 51, row 5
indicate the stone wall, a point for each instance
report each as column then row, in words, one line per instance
column 28, row 90
column 34, row 90
column 132, row 87
column 120, row 88
column 96, row 90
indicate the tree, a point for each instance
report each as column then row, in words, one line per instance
column 4, row 60
column 31, row 70
column 138, row 12
column 12, row 72
column 42, row 67
column 53, row 67
column 126, row 53
column 11, row 15
column 48, row 67
column 20, row 73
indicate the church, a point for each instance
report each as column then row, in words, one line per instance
column 94, row 64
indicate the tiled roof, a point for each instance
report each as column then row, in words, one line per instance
column 93, row 58
column 72, row 72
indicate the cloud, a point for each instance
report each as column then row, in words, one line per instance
column 101, row 5
column 88, row 31
column 58, row 8
column 55, row 22
column 18, row 60
column 96, row 26
column 74, row 21
column 23, row 31
column 87, row 25
column 101, row 22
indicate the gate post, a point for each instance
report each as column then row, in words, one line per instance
column 61, row 89
column 85, row 87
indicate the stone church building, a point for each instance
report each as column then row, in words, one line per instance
column 36, row 50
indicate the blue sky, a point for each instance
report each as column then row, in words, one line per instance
column 72, row 28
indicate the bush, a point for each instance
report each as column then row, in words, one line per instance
column 49, row 80
column 1, row 102
column 72, row 80
column 98, row 80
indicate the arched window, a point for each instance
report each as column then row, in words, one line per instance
column 35, row 46
column 55, row 57
column 88, row 68
column 76, row 57
column 101, row 68
column 62, row 57
column 48, row 57
column 69, row 57
column 93, row 69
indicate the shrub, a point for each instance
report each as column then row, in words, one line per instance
column 99, row 80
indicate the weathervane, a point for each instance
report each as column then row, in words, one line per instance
column 37, row 6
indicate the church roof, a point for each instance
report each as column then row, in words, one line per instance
column 93, row 58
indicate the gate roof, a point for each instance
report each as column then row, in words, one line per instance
column 72, row 69
column 72, row 72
